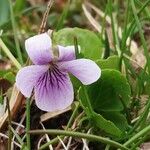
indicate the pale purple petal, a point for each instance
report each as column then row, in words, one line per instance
column 39, row 48
column 66, row 53
column 28, row 76
column 87, row 71
column 54, row 91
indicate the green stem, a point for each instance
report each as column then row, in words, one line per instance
column 55, row 140
column 143, row 132
column 72, row 116
column 9, row 54
column 14, row 26
column 87, row 99
column 9, row 123
column 141, row 34
column 28, row 123
column 81, row 135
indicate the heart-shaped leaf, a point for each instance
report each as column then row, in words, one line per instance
column 90, row 43
column 110, row 93
column 96, row 119
column 111, row 62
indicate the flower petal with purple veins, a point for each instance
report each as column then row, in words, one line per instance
column 39, row 49
column 66, row 53
column 87, row 71
column 48, row 78
column 54, row 91
column 28, row 76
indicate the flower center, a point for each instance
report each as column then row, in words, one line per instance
column 53, row 78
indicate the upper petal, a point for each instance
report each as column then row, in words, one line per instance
column 39, row 48
column 54, row 91
column 66, row 53
column 27, row 77
column 87, row 71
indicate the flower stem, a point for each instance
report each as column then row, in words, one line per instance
column 73, row 115
column 9, row 122
column 28, row 123
column 80, row 135
column 87, row 99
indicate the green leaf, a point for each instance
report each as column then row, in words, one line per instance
column 4, row 11
column 118, row 119
column 96, row 119
column 106, row 94
column 111, row 62
column 106, row 125
column 90, row 43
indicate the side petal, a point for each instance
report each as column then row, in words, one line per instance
column 66, row 53
column 27, row 77
column 54, row 92
column 39, row 49
column 87, row 71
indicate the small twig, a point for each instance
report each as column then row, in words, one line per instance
column 5, row 136
column 62, row 143
column 45, row 17
column 47, row 137
column 40, row 141
column 18, row 124
column 17, row 136
column 69, row 142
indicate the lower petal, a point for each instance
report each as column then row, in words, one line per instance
column 86, row 70
column 54, row 92
column 27, row 77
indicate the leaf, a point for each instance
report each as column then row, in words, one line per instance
column 117, row 118
column 90, row 43
column 111, row 62
column 4, row 11
column 106, row 94
column 97, row 119
column 106, row 125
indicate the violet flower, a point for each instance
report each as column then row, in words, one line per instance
column 48, row 78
